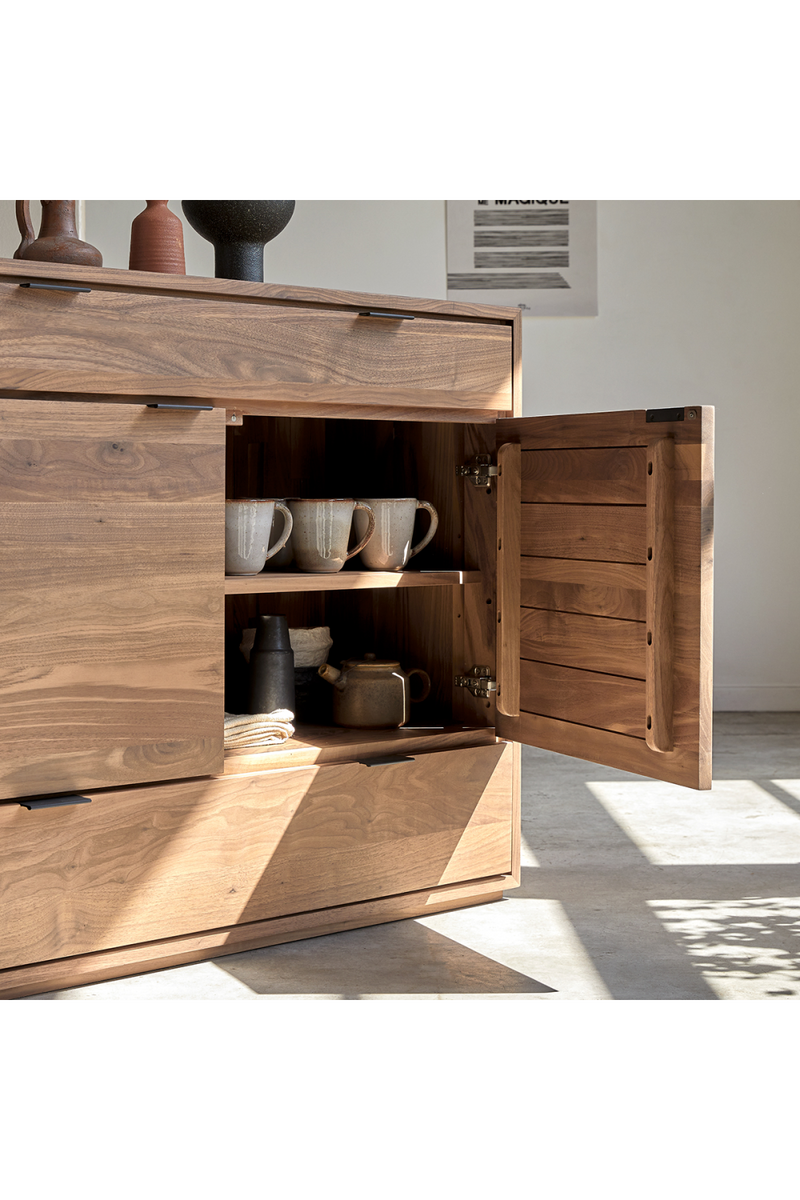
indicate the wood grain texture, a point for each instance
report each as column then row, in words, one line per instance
column 126, row 343
column 181, row 286
column 18, row 982
column 320, row 744
column 611, row 749
column 602, row 533
column 145, row 863
column 111, row 622
column 591, row 643
column 508, row 579
column 610, row 702
column 597, row 476
column 592, row 561
column 597, row 589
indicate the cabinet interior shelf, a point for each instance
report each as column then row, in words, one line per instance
column 315, row 744
column 286, row 581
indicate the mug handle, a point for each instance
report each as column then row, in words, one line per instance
column 434, row 525
column 288, row 522
column 426, row 684
column 370, row 530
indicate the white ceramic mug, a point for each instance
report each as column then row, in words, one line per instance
column 321, row 532
column 390, row 547
column 247, row 531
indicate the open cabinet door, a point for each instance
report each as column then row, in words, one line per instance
column 605, row 588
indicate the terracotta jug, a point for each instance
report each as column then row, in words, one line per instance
column 157, row 240
column 58, row 239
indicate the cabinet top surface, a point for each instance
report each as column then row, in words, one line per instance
column 241, row 290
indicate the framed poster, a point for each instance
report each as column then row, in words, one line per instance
column 540, row 255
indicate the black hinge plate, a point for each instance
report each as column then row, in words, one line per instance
column 664, row 414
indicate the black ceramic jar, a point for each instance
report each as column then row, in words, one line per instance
column 238, row 231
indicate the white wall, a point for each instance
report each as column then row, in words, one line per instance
column 699, row 303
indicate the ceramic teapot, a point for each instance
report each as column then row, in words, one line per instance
column 372, row 693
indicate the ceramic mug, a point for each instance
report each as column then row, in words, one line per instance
column 390, row 547
column 321, row 533
column 247, row 532
column 284, row 557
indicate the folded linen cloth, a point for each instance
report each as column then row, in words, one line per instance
column 247, row 730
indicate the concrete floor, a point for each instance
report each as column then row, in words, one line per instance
column 631, row 890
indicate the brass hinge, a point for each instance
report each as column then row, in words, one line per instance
column 480, row 682
column 480, row 471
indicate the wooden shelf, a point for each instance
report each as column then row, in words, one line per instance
column 327, row 743
column 287, row 581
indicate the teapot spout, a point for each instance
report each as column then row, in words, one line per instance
column 328, row 673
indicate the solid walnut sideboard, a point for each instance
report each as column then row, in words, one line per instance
column 565, row 603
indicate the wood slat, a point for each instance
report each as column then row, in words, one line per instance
column 592, row 643
column 598, row 476
column 595, row 588
column 586, row 430
column 682, row 766
column 583, row 697
column 603, row 533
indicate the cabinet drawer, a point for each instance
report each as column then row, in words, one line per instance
column 163, row 860
column 235, row 351
column 111, row 575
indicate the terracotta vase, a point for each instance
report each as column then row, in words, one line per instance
column 238, row 231
column 58, row 239
column 157, row 240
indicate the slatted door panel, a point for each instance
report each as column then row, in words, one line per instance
column 112, row 588
column 606, row 612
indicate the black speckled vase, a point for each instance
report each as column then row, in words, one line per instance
column 238, row 231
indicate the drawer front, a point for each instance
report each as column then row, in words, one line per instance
column 111, row 595
column 126, row 343
column 154, row 862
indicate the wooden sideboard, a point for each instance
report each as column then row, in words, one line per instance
column 565, row 602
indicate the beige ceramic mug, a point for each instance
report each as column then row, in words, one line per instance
column 390, row 547
column 321, row 533
column 247, row 532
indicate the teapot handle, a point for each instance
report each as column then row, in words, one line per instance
column 426, row 684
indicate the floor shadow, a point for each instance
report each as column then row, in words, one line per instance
column 402, row 958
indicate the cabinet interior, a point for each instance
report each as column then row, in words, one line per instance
column 421, row 626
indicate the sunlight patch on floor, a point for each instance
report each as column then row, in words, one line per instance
column 737, row 822
column 534, row 937
column 746, row 949
column 527, row 857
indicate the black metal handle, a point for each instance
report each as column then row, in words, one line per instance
column 391, row 316
column 184, row 407
column 55, row 287
column 54, row 802
column 385, row 762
